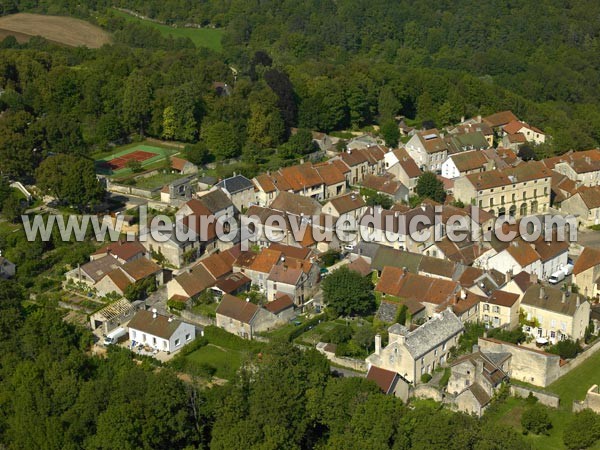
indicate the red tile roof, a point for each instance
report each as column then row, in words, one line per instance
column 589, row 257
column 178, row 163
column 281, row 303
column 499, row 119
column 385, row 379
column 122, row 250
column 237, row 309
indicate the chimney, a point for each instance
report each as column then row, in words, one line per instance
column 377, row 344
column 578, row 302
column 475, row 348
column 247, row 299
column 154, row 313
column 533, row 278
column 507, row 276
column 463, row 293
column 542, row 292
column 564, row 297
column 401, row 339
column 170, row 318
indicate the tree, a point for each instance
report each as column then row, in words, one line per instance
column 567, row 349
column 348, row 293
column 137, row 102
column 526, row 152
column 12, row 208
column 390, row 133
column 301, row 143
column 221, row 139
column 71, row 179
column 265, row 126
column 388, row 104
column 134, row 165
column 535, row 419
column 280, row 83
column 429, row 186
column 582, row 430
column 197, row 153
column 168, row 124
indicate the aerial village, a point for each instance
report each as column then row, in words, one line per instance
column 529, row 299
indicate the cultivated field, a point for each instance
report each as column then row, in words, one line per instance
column 201, row 37
column 62, row 30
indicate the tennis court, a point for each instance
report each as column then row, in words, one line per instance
column 116, row 163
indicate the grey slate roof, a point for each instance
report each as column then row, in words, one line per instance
column 235, row 184
column 215, row 201
column 431, row 334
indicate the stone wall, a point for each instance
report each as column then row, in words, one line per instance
column 545, row 398
column 583, row 356
column 196, row 319
column 427, row 391
column 526, row 364
column 591, row 401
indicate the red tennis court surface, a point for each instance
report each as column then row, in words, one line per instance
column 121, row 161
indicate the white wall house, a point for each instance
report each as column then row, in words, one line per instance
column 160, row 332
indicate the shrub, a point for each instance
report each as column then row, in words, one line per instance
column 536, row 420
column 425, row 378
column 176, row 305
column 566, row 349
column 583, row 430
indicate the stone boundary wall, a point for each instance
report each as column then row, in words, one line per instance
column 545, row 398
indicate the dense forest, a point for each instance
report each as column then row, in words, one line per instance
column 326, row 66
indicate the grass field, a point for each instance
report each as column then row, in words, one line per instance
column 572, row 386
column 201, row 37
column 160, row 152
column 62, row 30
column 225, row 352
column 575, row 384
column 157, row 180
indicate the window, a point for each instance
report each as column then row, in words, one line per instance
column 132, row 334
column 177, row 342
column 486, row 307
column 154, row 340
column 444, row 346
column 553, row 323
column 188, row 337
column 496, row 309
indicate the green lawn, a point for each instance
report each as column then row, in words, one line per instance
column 156, row 181
column 225, row 352
column 575, row 384
column 226, row 361
column 201, row 37
column 572, row 386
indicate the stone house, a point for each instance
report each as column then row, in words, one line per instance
column 244, row 318
column 474, row 379
column 553, row 314
column 403, row 167
column 586, row 272
column 501, row 309
column 428, row 149
column 240, row 191
column 585, row 205
column 183, row 166
column 415, row 353
column 465, row 163
column 581, row 167
column 516, row 191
